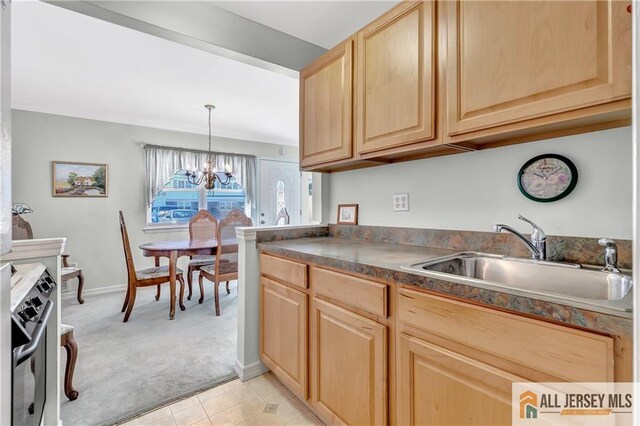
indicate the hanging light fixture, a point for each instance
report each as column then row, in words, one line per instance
column 209, row 174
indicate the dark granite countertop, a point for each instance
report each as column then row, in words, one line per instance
column 355, row 252
column 385, row 260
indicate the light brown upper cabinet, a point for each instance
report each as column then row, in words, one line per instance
column 434, row 78
column 509, row 62
column 395, row 79
column 326, row 90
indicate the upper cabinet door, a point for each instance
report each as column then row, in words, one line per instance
column 396, row 79
column 510, row 61
column 326, row 108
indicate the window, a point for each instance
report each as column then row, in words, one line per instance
column 180, row 200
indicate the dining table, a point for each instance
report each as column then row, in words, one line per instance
column 174, row 249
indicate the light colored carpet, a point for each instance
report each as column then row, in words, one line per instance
column 127, row 369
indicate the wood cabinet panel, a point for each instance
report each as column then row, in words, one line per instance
column 284, row 270
column 395, row 84
column 437, row 386
column 326, row 91
column 349, row 366
column 513, row 61
column 563, row 352
column 283, row 334
column 369, row 296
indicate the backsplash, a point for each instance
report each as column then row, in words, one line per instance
column 284, row 233
column 562, row 249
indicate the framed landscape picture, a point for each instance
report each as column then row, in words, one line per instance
column 79, row 179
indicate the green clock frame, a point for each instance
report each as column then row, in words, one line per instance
column 570, row 188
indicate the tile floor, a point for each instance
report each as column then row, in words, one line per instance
column 260, row 401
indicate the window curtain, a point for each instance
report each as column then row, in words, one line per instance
column 162, row 163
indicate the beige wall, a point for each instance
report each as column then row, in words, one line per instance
column 473, row 191
column 91, row 225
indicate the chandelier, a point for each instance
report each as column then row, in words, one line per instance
column 209, row 175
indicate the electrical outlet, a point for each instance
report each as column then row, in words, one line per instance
column 401, row 202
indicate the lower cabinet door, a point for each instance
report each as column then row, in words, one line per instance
column 348, row 355
column 283, row 334
column 439, row 387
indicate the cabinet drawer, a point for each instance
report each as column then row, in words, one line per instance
column 367, row 295
column 284, row 270
column 562, row 352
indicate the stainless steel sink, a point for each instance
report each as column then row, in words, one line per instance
column 568, row 281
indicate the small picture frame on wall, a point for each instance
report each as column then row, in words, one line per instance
column 347, row 214
column 86, row 180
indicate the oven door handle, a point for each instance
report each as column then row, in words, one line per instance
column 23, row 352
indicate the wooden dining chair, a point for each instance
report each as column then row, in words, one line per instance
column 71, row 347
column 21, row 230
column 202, row 226
column 225, row 267
column 283, row 217
column 143, row 277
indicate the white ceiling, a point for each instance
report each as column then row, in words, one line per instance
column 324, row 23
column 71, row 64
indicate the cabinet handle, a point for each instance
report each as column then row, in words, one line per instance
column 629, row 8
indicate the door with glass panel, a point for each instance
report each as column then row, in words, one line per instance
column 279, row 187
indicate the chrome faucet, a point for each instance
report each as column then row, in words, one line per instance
column 538, row 243
column 610, row 255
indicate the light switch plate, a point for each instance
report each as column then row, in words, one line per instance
column 401, row 202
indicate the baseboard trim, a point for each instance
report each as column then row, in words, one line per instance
column 72, row 294
column 250, row 371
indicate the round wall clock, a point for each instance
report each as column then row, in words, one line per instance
column 547, row 177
